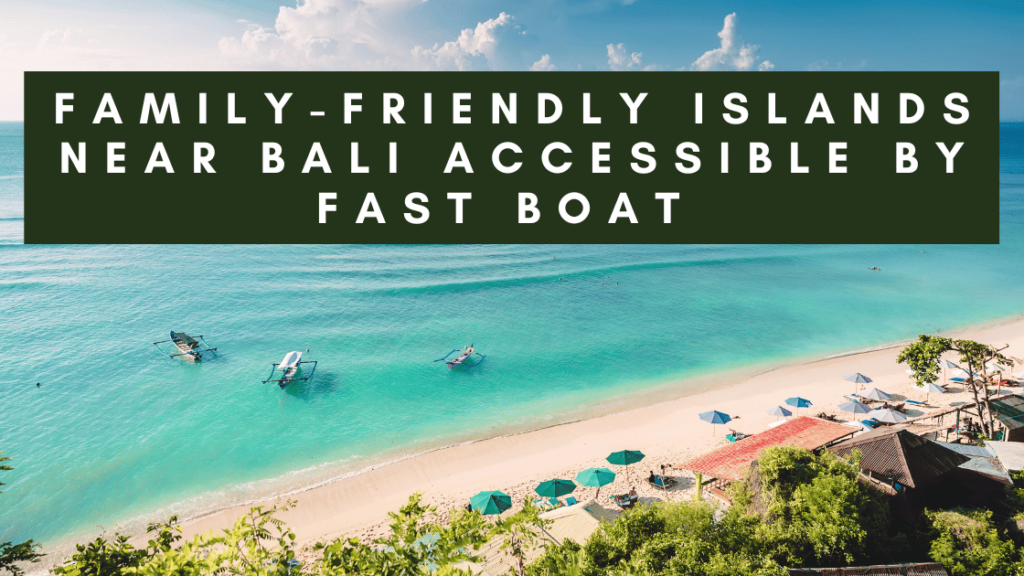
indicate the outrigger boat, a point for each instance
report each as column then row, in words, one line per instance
column 289, row 368
column 467, row 357
column 188, row 346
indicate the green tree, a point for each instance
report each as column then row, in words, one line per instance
column 923, row 358
column 418, row 544
column 110, row 558
column 967, row 544
column 259, row 544
column 520, row 532
column 11, row 554
column 811, row 509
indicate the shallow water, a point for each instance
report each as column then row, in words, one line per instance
column 119, row 432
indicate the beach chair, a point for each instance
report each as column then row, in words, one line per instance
column 662, row 482
column 571, row 501
column 623, row 501
column 542, row 504
column 871, row 424
column 916, row 403
column 555, row 503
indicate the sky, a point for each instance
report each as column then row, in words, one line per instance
column 756, row 36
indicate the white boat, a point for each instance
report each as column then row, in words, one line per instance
column 291, row 360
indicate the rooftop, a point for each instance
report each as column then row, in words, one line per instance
column 1010, row 454
column 731, row 462
column 923, row 569
column 1009, row 411
column 900, row 454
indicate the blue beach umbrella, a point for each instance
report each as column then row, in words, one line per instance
column 714, row 417
column 854, row 408
column 778, row 411
column 798, row 403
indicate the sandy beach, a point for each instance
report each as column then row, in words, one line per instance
column 668, row 433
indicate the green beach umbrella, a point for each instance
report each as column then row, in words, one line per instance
column 491, row 502
column 625, row 458
column 595, row 478
column 555, row 488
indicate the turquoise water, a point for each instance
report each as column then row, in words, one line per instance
column 119, row 433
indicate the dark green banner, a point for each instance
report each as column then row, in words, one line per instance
column 511, row 157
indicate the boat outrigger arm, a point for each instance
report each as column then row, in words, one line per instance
column 465, row 358
column 289, row 369
column 187, row 345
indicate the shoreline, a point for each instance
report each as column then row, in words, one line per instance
column 356, row 503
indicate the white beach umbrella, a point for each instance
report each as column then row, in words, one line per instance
column 932, row 387
column 946, row 364
column 887, row 415
column 857, row 378
column 876, row 394
column 854, row 407
column 961, row 373
column 779, row 411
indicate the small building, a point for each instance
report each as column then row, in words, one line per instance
column 983, row 460
column 1010, row 455
column 731, row 462
column 1008, row 411
column 576, row 523
column 919, row 569
column 919, row 473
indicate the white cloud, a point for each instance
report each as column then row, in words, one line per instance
column 316, row 34
column 621, row 59
column 732, row 53
column 360, row 35
column 459, row 54
column 543, row 65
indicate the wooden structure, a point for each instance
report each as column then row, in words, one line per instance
column 188, row 346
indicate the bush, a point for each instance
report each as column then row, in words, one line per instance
column 967, row 544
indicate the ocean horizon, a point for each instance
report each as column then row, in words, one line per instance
column 118, row 434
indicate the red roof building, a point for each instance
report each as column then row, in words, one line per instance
column 731, row 462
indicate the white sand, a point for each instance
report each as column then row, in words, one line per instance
column 667, row 433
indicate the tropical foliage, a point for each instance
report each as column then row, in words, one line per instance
column 923, row 358
column 794, row 509
column 13, row 557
